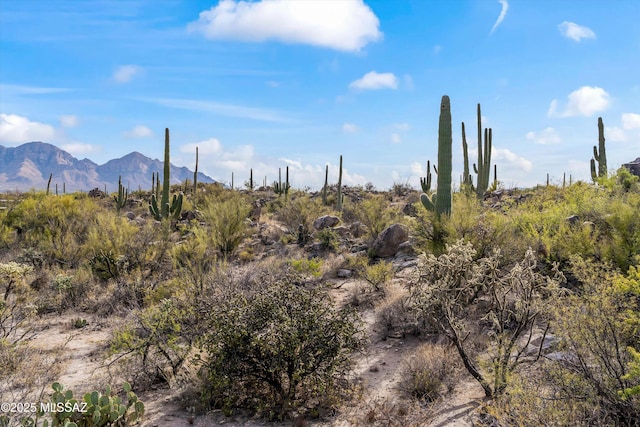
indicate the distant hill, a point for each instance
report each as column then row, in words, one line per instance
column 29, row 165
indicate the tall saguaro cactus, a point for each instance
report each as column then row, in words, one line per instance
column 599, row 155
column 483, row 168
column 326, row 185
column 278, row 187
column 166, row 210
column 440, row 202
column 339, row 196
column 467, row 182
column 195, row 175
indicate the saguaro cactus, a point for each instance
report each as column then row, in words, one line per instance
column 326, row 185
column 467, row 182
column 599, row 155
column 123, row 195
column 195, row 175
column 166, row 210
column 339, row 196
column 278, row 187
column 440, row 202
column 483, row 168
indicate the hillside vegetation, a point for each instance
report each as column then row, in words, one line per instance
column 532, row 293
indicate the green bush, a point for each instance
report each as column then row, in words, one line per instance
column 375, row 213
column 55, row 226
column 311, row 267
column 227, row 220
column 328, row 239
column 277, row 350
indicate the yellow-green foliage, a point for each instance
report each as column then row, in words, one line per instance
column 227, row 221
column 194, row 257
column 16, row 301
column 56, row 226
column 111, row 244
column 593, row 376
column 299, row 210
column 375, row 213
column 310, row 267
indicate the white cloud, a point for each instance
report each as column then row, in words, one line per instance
column 31, row 90
column 126, row 73
column 79, row 148
column 69, row 121
column 349, row 128
column 395, row 138
column 138, row 131
column 402, row 126
column 341, row 25
column 512, row 158
column 576, row 32
column 545, row 137
column 416, row 169
column 16, row 129
column 631, row 121
column 375, row 80
column 206, row 147
column 229, row 110
column 585, row 101
column 615, row 134
column 503, row 13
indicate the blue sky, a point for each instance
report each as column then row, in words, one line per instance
column 266, row 84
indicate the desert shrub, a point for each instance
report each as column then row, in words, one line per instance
column 227, row 220
column 449, row 287
column 376, row 273
column 328, row 239
column 157, row 340
column 17, row 303
column 591, row 376
column 110, row 245
column 428, row 373
column 55, row 226
column 277, row 350
column 310, row 267
column 194, row 257
column 375, row 213
column 395, row 316
column 300, row 210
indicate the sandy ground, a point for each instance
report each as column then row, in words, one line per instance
column 378, row 369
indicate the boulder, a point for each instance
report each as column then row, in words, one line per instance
column 633, row 166
column 388, row 242
column 325, row 222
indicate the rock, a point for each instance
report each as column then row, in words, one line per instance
column 388, row 242
column 633, row 166
column 325, row 222
column 358, row 248
column 96, row 192
column 130, row 215
column 406, row 248
column 189, row 215
column 410, row 210
column 573, row 219
column 344, row 273
column 342, row 231
column 358, row 229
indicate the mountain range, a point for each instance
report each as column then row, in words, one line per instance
column 29, row 165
